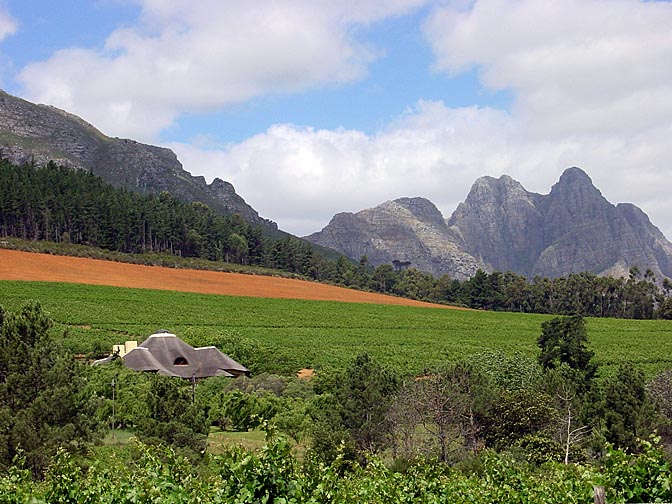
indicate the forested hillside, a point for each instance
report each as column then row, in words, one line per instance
column 64, row 205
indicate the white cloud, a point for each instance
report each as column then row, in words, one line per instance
column 185, row 56
column 8, row 24
column 575, row 66
column 301, row 177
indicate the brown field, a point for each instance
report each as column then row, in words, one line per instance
column 28, row 266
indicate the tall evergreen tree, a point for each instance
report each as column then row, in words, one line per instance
column 42, row 405
column 564, row 341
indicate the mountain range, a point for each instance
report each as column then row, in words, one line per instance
column 42, row 133
column 500, row 226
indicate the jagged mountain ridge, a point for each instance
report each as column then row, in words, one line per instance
column 401, row 230
column 42, row 133
column 502, row 226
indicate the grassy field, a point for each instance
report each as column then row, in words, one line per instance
column 291, row 334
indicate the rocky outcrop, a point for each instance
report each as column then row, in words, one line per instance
column 572, row 229
column 493, row 224
column 501, row 226
column 40, row 133
column 408, row 231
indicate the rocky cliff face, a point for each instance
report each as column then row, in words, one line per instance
column 407, row 230
column 40, row 133
column 493, row 224
column 501, row 226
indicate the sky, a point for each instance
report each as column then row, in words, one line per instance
column 314, row 107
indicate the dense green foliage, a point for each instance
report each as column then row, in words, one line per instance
column 173, row 417
column 352, row 414
column 638, row 297
column 274, row 475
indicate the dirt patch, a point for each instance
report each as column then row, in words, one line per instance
column 28, row 266
column 306, row 374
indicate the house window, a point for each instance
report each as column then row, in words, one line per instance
column 180, row 361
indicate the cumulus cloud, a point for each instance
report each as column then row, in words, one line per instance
column 301, row 177
column 185, row 56
column 591, row 87
column 575, row 66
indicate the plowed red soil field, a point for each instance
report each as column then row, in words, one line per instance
column 28, row 266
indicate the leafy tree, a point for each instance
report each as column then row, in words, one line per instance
column 174, row 419
column 519, row 414
column 564, row 341
column 384, row 278
column 627, row 408
column 354, row 409
column 478, row 291
column 130, row 394
column 41, row 402
column 665, row 309
column 365, row 398
column 414, row 284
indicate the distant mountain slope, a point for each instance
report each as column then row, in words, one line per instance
column 407, row 229
column 41, row 133
column 501, row 226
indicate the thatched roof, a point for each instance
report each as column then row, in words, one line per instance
column 166, row 354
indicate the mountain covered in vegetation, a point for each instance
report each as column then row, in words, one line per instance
column 503, row 227
column 31, row 133
column 74, row 207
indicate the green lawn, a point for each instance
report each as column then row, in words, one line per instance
column 296, row 334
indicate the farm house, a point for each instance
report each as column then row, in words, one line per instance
column 166, row 354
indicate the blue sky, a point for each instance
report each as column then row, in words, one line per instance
column 312, row 107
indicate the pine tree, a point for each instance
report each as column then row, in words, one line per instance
column 41, row 402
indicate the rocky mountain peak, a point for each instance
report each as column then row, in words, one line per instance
column 502, row 226
column 575, row 175
column 499, row 190
column 423, row 209
column 576, row 188
column 574, row 201
column 409, row 231
column 500, row 208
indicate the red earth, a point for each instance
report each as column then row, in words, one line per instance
column 28, row 266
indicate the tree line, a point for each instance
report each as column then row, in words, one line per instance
column 639, row 296
column 60, row 204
